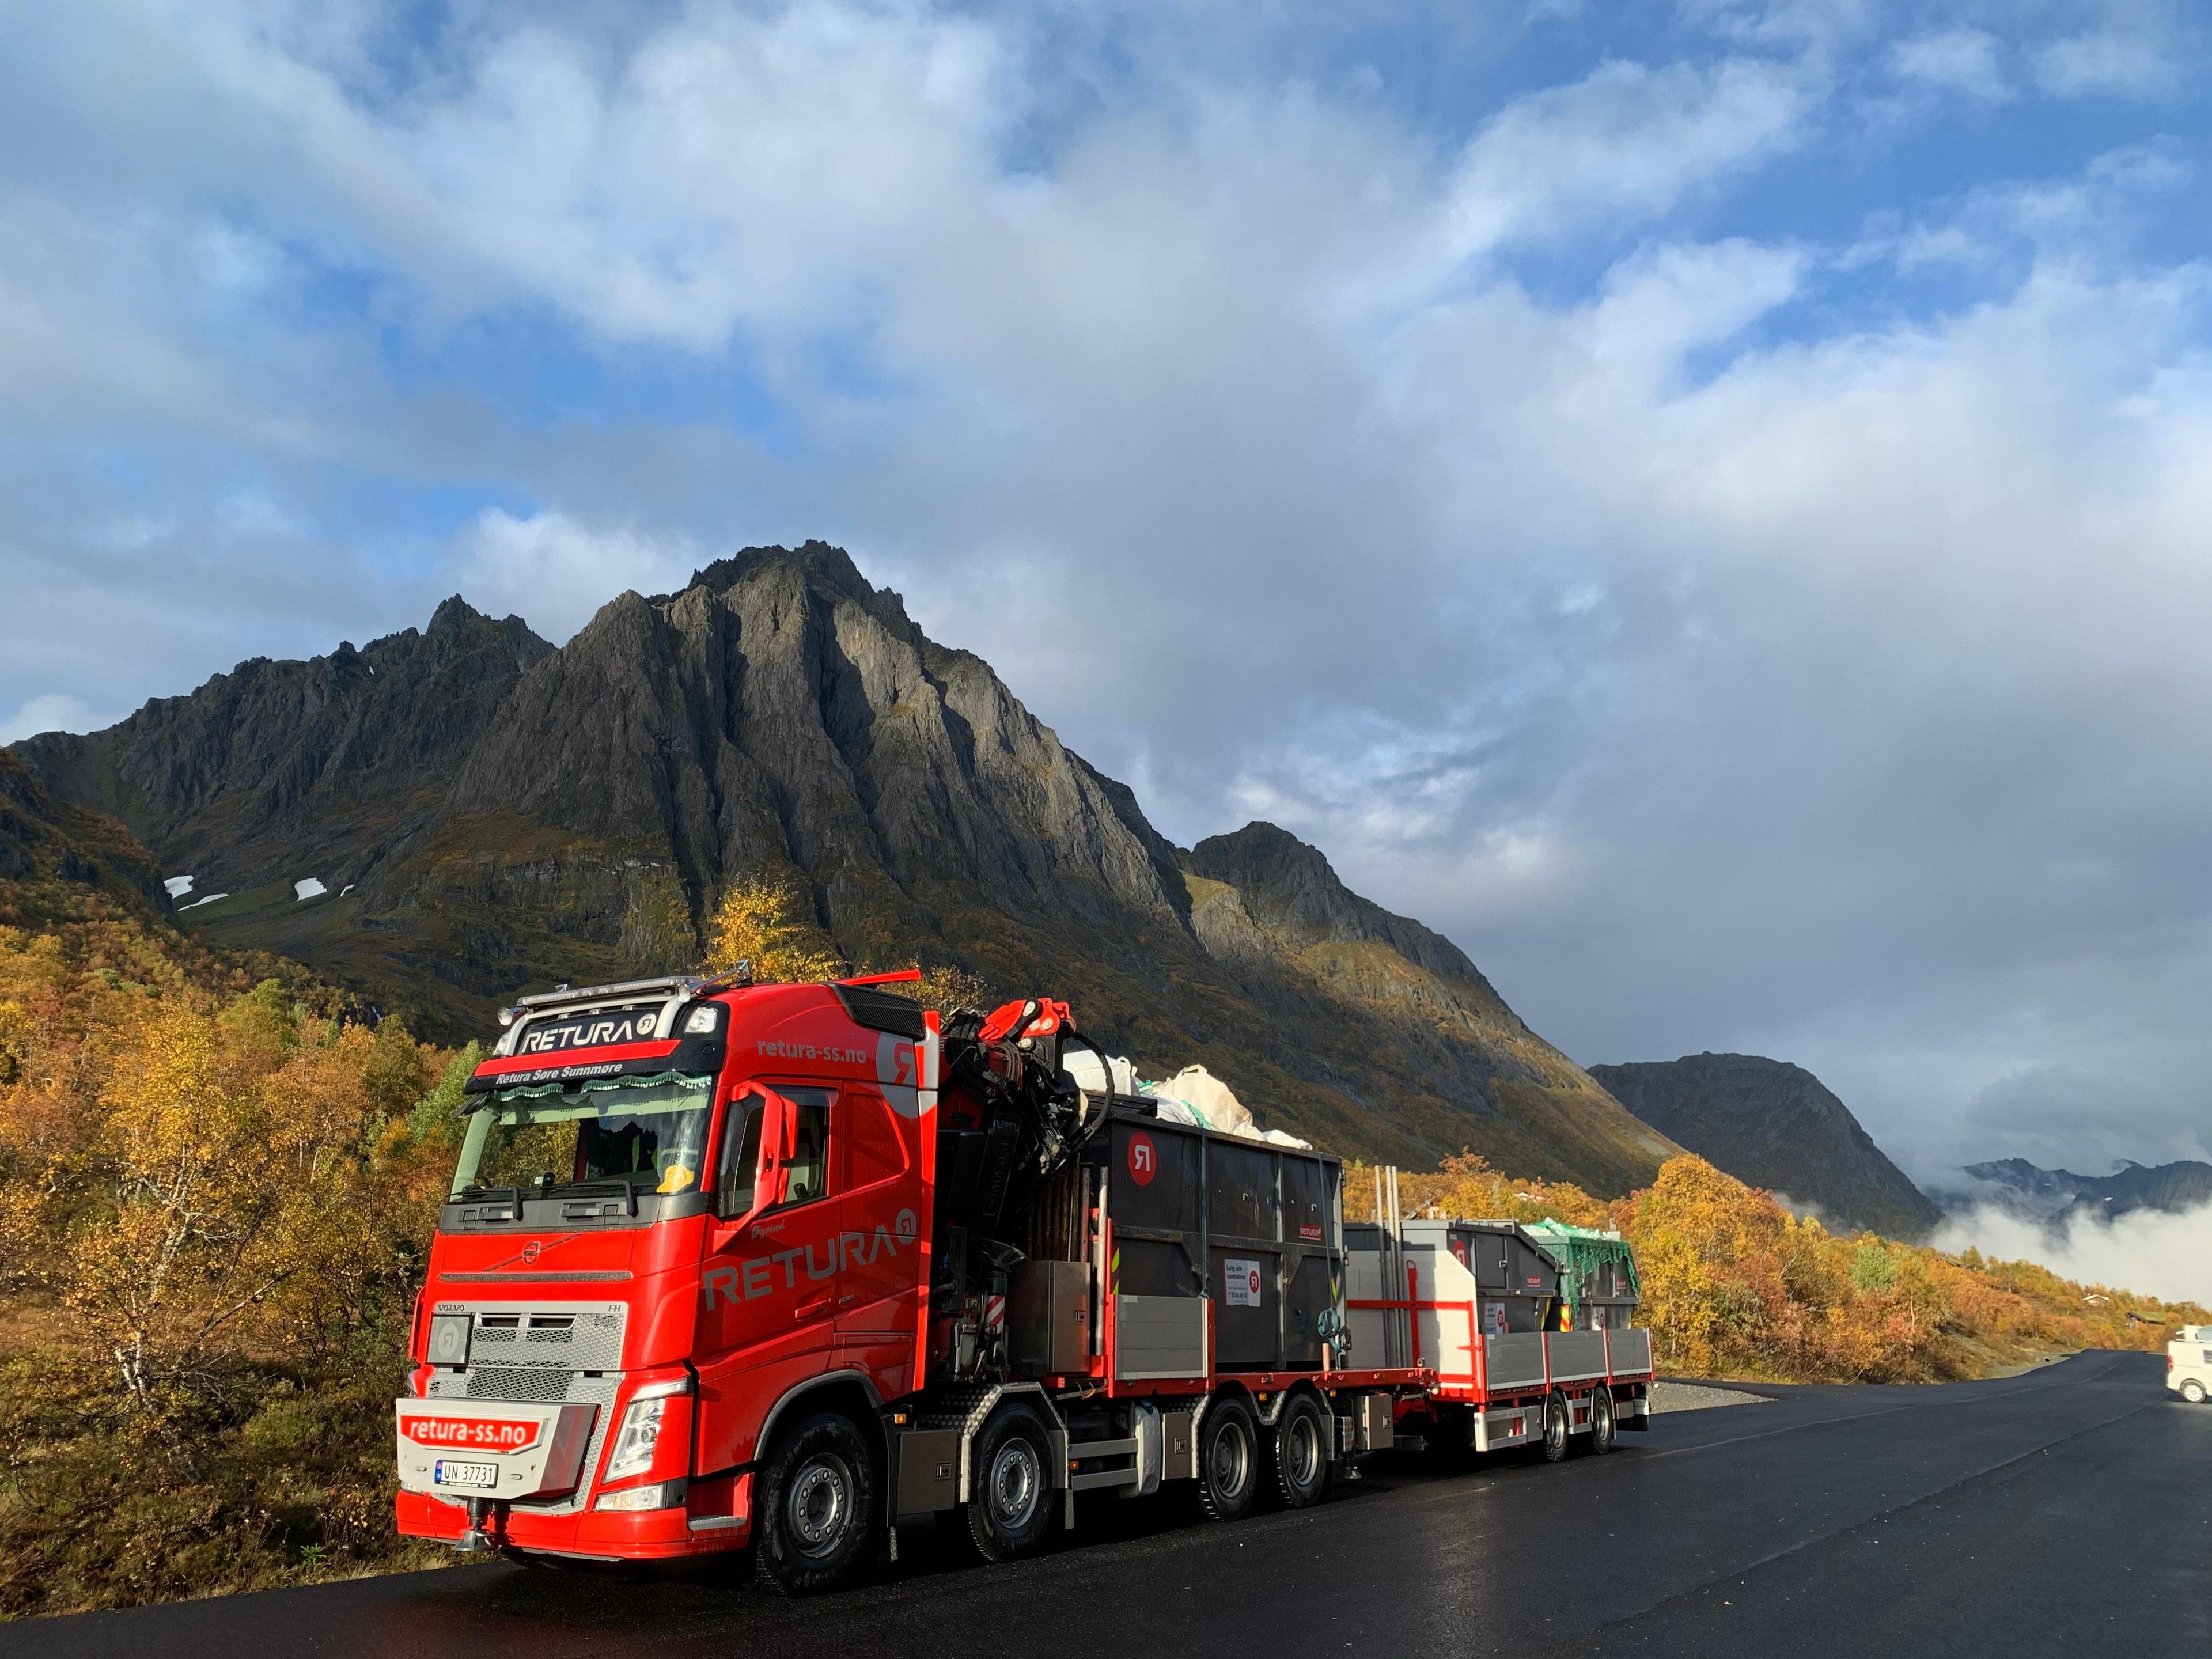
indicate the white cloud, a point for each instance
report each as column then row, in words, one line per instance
column 1726, row 661
column 1624, row 144
column 555, row 571
column 54, row 711
column 2108, row 63
column 2149, row 1252
column 1964, row 60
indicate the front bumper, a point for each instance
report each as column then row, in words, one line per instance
column 589, row 1535
column 528, row 1450
column 534, row 1456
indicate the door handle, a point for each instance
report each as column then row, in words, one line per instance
column 813, row 1307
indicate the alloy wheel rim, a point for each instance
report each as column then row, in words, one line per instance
column 1305, row 1451
column 1015, row 1480
column 1231, row 1462
column 821, row 1499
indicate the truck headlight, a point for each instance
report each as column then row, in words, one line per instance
column 661, row 1495
column 635, row 1441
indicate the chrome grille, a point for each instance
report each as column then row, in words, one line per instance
column 574, row 1357
column 537, row 1384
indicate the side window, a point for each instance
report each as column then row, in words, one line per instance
column 806, row 1172
column 740, row 1165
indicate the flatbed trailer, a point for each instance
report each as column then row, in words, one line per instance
column 792, row 1266
column 1478, row 1303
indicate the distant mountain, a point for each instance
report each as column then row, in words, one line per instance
column 439, row 819
column 1774, row 1124
column 2056, row 1195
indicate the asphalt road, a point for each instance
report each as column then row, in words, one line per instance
column 2065, row 1512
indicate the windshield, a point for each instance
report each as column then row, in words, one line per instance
column 646, row 1132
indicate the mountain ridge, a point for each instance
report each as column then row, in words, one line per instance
column 485, row 809
column 1773, row 1124
column 2059, row 1194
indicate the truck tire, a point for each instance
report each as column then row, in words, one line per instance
column 1228, row 1460
column 2193, row 1392
column 818, row 1506
column 1555, row 1427
column 1298, row 1452
column 1602, row 1427
column 1010, row 1465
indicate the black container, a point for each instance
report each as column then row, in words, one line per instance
column 1255, row 1227
column 1518, row 1278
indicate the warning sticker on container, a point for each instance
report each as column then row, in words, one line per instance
column 1240, row 1283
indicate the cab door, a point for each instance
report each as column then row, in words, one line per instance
column 879, row 1196
column 769, row 1285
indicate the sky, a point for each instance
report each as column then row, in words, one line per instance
column 1706, row 504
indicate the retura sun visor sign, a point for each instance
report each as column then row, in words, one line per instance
column 568, row 1048
column 592, row 1030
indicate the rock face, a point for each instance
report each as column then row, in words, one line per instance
column 1775, row 1125
column 1355, row 981
column 277, row 768
column 489, row 814
column 57, row 861
column 2059, row 1194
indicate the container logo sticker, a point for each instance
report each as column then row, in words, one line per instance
column 1240, row 1283
column 1143, row 1159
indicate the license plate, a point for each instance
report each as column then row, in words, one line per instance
column 447, row 1472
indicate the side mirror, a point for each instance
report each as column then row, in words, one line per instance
column 766, row 1132
column 779, row 1140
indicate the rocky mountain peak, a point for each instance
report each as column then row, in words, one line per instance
column 483, row 813
column 829, row 570
column 1290, row 888
column 1775, row 1125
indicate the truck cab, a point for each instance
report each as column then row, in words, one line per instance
column 683, row 1212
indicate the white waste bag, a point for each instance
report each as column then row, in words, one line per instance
column 1090, row 1076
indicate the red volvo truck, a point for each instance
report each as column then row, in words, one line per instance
column 787, row 1266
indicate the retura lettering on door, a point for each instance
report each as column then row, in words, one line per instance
column 784, row 1270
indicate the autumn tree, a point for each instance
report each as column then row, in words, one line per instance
column 765, row 921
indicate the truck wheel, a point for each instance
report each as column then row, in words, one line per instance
column 1228, row 1460
column 2193, row 1392
column 1555, row 1427
column 1602, row 1427
column 1011, row 1465
column 1298, row 1451
column 818, row 1506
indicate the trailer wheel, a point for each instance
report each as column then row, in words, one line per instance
column 1555, row 1427
column 1298, row 1452
column 1228, row 1460
column 2193, row 1392
column 1012, row 1464
column 1602, row 1427
column 818, row 1506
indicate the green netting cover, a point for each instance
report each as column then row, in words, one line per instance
column 1581, row 1250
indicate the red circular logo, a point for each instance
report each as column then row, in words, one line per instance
column 1144, row 1160
column 530, row 1252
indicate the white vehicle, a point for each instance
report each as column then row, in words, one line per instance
column 2188, row 1363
